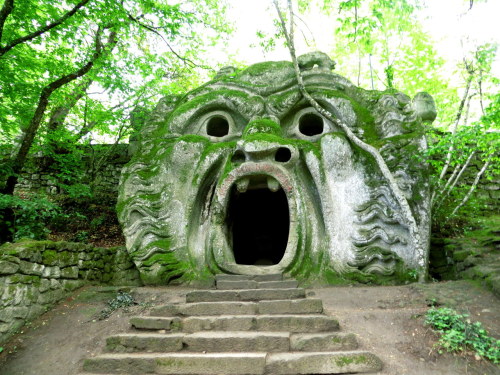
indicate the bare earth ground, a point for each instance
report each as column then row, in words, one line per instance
column 387, row 320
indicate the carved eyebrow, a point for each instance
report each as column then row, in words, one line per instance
column 279, row 104
column 239, row 103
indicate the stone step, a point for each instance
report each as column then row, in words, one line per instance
column 205, row 341
column 244, row 295
column 289, row 323
column 177, row 363
column 252, row 284
column 207, row 308
column 323, row 342
column 322, row 363
column 234, row 363
column 230, row 341
column 293, row 306
column 156, row 323
column 270, row 277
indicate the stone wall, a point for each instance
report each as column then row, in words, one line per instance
column 473, row 256
column 34, row 275
column 38, row 176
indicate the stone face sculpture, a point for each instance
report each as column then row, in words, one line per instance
column 243, row 176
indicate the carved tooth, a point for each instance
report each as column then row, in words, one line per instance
column 242, row 184
column 273, row 184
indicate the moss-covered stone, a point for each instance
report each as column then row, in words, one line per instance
column 345, row 224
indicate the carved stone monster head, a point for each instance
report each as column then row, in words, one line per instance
column 242, row 176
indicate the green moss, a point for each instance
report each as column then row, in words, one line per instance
column 364, row 117
column 50, row 257
column 262, row 126
column 202, row 102
column 347, row 360
column 258, row 69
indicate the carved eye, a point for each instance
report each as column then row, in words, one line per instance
column 311, row 124
column 217, row 126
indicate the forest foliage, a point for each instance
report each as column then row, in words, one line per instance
column 76, row 73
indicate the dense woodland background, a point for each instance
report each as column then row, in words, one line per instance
column 74, row 74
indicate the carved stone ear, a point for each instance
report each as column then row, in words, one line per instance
column 318, row 60
column 424, row 106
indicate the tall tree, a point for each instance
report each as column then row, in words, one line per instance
column 54, row 54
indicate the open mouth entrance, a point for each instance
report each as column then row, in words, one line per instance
column 258, row 223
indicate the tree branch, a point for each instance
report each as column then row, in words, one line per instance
column 6, row 10
column 402, row 201
column 154, row 30
column 40, row 31
column 47, row 91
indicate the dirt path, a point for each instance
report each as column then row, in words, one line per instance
column 387, row 320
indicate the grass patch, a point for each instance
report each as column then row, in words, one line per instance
column 459, row 334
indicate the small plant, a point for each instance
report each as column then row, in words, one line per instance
column 82, row 236
column 122, row 300
column 459, row 334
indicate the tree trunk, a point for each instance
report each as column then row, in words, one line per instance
column 472, row 188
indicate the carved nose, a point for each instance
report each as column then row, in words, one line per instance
column 250, row 152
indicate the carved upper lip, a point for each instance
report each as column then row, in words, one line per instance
column 242, row 176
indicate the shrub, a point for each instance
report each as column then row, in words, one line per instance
column 31, row 215
column 459, row 334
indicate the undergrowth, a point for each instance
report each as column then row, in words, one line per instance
column 459, row 334
column 122, row 300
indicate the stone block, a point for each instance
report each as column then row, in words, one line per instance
column 51, row 272
column 206, row 308
column 244, row 295
column 55, row 284
column 237, row 284
column 70, row 285
column 270, row 277
column 146, row 322
column 297, row 323
column 219, row 323
column 145, row 342
column 30, row 268
column 14, row 312
column 50, row 297
column 178, row 363
column 460, row 255
column 299, row 306
column 237, row 341
column 69, row 273
column 323, row 342
column 322, row 363
column 8, row 267
column 67, row 258
column 35, row 311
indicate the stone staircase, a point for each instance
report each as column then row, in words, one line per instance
column 249, row 325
